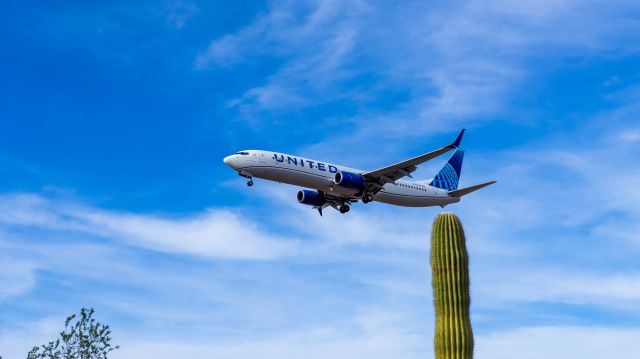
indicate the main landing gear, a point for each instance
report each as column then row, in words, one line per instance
column 367, row 198
column 344, row 208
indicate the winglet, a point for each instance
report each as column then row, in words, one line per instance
column 456, row 143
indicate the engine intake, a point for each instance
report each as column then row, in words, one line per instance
column 349, row 180
column 311, row 198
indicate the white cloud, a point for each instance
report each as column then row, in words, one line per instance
column 214, row 233
column 287, row 28
column 631, row 135
column 373, row 333
column 560, row 285
column 459, row 63
column 16, row 340
column 16, row 277
column 558, row 342
column 537, row 342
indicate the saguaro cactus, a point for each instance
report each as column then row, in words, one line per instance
column 450, row 281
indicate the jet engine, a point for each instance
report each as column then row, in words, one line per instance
column 350, row 181
column 311, row 198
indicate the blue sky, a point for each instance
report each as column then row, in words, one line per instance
column 115, row 117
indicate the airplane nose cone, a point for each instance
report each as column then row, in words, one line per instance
column 231, row 161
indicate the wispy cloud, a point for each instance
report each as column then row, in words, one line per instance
column 620, row 291
column 317, row 44
column 16, row 341
column 536, row 342
column 456, row 62
column 557, row 342
column 215, row 233
column 373, row 333
column 16, row 277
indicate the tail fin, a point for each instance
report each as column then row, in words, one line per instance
column 449, row 175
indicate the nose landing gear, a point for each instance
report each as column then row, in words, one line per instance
column 247, row 176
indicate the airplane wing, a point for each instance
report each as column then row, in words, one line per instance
column 394, row 172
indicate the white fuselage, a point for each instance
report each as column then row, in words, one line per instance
column 319, row 175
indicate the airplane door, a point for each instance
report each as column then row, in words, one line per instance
column 262, row 158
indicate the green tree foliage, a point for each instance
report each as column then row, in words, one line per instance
column 82, row 338
column 450, row 281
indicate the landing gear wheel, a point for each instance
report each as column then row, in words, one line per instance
column 344, row 208
column 367, row 198
column 250, row 183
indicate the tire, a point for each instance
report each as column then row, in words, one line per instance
column 250, row 183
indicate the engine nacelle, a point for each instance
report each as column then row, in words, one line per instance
column 349, row 180
column 311, row 198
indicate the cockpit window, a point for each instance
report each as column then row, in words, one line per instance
column 244, row 153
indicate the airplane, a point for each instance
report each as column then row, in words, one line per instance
column 339, row 186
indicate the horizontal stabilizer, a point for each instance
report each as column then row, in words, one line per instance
column 464, row 191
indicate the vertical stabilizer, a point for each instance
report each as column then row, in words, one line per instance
column 449, row 175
